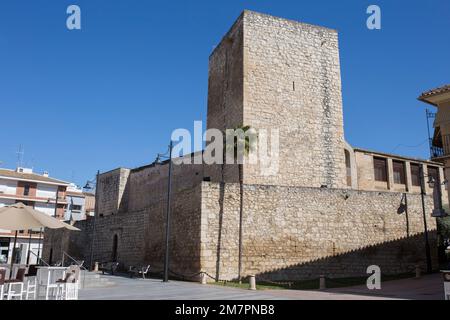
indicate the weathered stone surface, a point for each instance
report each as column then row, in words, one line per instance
column 298, row 232
column 268, row 73
column 275, row 74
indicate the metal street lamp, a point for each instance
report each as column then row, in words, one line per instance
column 169, row 190
column 39, row 247
column 88, row 186
column 437, row 209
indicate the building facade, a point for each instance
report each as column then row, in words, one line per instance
column 331, row 209
column 76, row 204
column 39, row 191
column 440, row 142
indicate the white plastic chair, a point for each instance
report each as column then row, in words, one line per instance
column 15, row 286
column 47, row 277
column 31, row 288
column 67, row 291
column 68, row 287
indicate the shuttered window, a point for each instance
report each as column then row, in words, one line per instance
column 399, row 172
column 380, row 169
column 433, row 173
column 415, row 174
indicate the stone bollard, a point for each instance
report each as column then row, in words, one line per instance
column 252, row 282
column 96, row 267
column 418, row 271
column 203, row 278
column 322, row 283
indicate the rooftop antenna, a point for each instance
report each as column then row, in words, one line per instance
column 20, row 152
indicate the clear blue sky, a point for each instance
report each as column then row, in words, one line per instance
column 111, row 94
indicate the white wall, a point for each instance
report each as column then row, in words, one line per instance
column 36, row 247
column 46, row 191
column 8, row 186
column 47, row 208
column 75, row 215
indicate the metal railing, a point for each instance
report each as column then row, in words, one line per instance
column 437, row 151
column 78, row 263
column 39, row 259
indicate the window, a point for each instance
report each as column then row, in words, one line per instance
column 433, row 172
column 26, row 190
column 415, row 174
column 75, row 207
column 399, row 172
column 380, row 169
column 348, row 167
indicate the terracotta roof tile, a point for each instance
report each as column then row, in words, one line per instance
column 432, row 92
column 29, row 176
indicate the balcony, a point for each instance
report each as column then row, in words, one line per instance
column 436, row 152
column 440, row 147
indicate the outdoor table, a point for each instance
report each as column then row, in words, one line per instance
column 47, row 277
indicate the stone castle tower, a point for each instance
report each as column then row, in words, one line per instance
column 271, row 73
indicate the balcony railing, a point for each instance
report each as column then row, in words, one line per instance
column 437, row 151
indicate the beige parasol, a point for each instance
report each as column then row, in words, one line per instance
column 21, row 217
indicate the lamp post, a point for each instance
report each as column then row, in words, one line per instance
column 427, row 243
column 29, row 246
column 89, row 187
column 169, row 191
column 437, row 211
column 39, row 248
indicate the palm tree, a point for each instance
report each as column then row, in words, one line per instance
column 221, row 209
column 241, row 147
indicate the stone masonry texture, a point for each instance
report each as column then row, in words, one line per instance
column 299, row 232
column 271, row 73
column 305, row 221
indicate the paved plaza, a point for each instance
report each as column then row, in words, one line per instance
column 426, row 288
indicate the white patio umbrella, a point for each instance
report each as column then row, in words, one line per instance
column 21, row 217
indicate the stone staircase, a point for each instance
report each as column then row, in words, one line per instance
column 94, row 280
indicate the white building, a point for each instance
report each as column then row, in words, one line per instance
column 38, row 191
column 76, row 204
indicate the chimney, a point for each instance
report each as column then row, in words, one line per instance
column 24, row 170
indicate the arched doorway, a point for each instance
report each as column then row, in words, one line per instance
column 114, row 249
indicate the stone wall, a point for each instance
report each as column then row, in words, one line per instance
column 225, row 92
column 276, row 74
column 366, row 176
column 269, row 73
column 112, row 191
column 289, row 232
column 297, row 232
column 140, row 229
